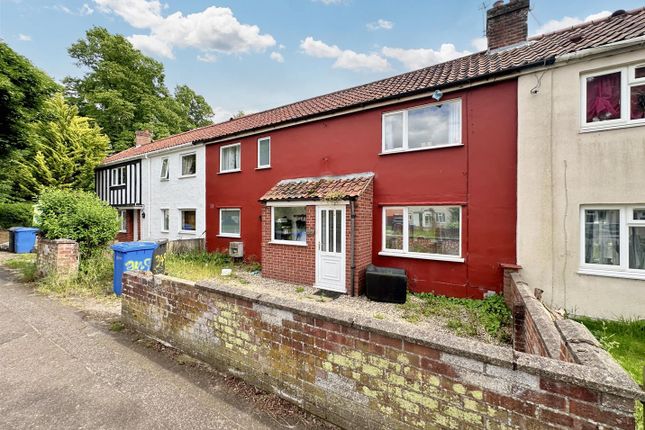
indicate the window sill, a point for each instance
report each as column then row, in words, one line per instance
column 187, row 176
column 611, row 273
column 435, row 257
column 287, row 242
column 122, row 231
column 164, row 231
column 262, row 167
column 229, row 236
column 604, row 127
column 187, row 232
column 228, row 171
column 429, row 148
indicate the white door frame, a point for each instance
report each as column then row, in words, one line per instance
column 135, row 224
column 322, row 256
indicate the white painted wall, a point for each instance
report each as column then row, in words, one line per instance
column 560, row 169
column 174, row 194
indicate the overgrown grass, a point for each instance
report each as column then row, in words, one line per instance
column 200, row 265
column 25, row 264
column 465, row 317
column 625, row 341
column 94, row 278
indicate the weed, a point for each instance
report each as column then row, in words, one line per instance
column 25, row 264
column 379, row 316
column 200, row 265
column 117, row 326
column 300, row 290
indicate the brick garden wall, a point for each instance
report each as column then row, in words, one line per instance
column 359, row 372
column 59, row 257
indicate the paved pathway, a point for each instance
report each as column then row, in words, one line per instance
column 61, row 370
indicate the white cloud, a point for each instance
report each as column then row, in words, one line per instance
column 24, row 37
column 215, row 29
column 276, row 56
column 207, row 57
column 345, row 59
column 82, row 11
column 480, row 43
column 381, row 24
column 414, row 59
column 85, row 10
column 568, row 21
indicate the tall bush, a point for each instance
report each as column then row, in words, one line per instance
column 16, row 214
column 77, row 215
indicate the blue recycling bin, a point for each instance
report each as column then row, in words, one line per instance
column 23, row 239
column 129, row 256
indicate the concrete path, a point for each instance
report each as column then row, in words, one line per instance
column 60, row 370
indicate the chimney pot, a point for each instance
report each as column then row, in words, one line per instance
column 507, row 23
column 142, row 137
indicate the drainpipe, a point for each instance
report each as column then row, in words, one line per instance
column 352, row 243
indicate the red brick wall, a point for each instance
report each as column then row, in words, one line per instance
column 507, row 24
column 59, row 257
column 360, row 373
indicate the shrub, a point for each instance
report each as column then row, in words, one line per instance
column 76, row 215
column 16, row 214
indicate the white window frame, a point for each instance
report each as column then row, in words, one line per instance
column 165, row 215
column 236, row 236
column 165, row 162
column 286, row 242
column 181, row 220
column 221, row 158
column 627, row 80
column 626, row 220
column 405, row 148
column 118, row 176
column 123, row 223
column 181, row 165
column 419, row 255
column 260, row 141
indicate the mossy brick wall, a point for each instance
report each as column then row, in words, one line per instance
column 357, row 372
column 59, row 257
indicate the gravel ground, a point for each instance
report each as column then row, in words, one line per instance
column 355, row 305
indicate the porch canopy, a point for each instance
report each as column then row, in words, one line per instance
column 344, row 187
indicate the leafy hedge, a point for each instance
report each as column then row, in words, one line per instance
column 16, row 215
column 76, row 215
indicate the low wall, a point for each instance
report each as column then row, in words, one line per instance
column 358, row 372
column 186, row 245
column 59, row 257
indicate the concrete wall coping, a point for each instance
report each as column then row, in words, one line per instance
column 615, row 381
column 58, row 241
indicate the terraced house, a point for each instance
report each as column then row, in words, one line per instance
column 420, row 171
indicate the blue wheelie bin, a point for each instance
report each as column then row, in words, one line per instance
column 22, row 239
column 129, row 256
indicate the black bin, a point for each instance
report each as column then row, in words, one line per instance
column 12, row 239
column 385, row 284
column 159, row 257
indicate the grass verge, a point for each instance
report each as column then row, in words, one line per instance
column 625, row 341
column 465, row 317
column 25, row 264
column 200, row 265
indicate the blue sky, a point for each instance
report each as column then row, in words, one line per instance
column 254, row 55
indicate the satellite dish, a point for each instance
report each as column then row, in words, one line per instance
column 437, row 95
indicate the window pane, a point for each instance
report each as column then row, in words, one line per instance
column 639, row 215
column 393, row 130
column 637, row 100
column 434, row 229
column 394, row 229
column 230, row 221
column 339, row 231
column 330, row 229
column 603, row 97
column 434, row 125
column 231, row 158
column 290, row 223
column 637, row 248
column 188, row 164
column 264, row 153
column 602, row 237
column 639, row 72
column 188, row 220
column 323, row 230
column 164, row 168
column 165, row 219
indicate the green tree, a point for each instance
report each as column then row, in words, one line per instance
column 125, row 91
column 23, row 90
column 64, row 150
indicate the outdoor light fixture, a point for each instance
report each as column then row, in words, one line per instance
column 437, row 95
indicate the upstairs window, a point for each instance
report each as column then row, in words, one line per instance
column 264, row 153
column 165, row 171
column 118, row 176
column 229, row 158
column 431, row 126
column 188, row 165
column 613, row 98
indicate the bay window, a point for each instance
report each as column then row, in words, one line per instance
column 430, row 232
column 229, row 222
column 229, row 158
column 613, row 241
column 613, row 98
column 431, row 126
column 289, row 225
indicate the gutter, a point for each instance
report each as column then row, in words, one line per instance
column 410, row 95
column 146, row 154
column 352, row 245
column 565, row 58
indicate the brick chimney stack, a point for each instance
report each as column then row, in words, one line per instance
column 507, row 23
column 142, row 137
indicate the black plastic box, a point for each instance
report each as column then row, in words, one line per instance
column 385, row 284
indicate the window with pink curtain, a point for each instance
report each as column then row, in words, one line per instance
column 603, row 97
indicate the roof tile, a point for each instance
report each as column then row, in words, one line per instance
column 319, row 188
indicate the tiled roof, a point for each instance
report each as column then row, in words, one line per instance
column 538, row 50
column 319, row 188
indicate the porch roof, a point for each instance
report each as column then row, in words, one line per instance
column 319, row 188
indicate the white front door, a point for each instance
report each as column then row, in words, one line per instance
column 330, row 248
